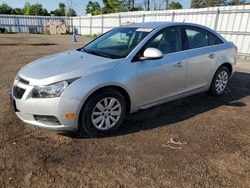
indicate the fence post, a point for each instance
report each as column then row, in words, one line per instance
column 143, row 17
column 80, row 25
column 42, row 28
column 72, row 25
column 90, row 26
column 173, row 15
column 17, row 22
column 120, row 22
column 216, row 19
column 102, row 23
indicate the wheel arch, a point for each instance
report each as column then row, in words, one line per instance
column 120, row 89
column 228, row 65
column 225, row 64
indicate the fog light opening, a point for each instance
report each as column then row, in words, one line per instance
column 48, row 120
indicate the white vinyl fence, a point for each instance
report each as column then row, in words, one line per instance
column 233, row 22
column 22, row 24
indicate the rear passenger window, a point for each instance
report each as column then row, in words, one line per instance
column 197, row 38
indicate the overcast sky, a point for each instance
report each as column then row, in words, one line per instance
column 78, row 5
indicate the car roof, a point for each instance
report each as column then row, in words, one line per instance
column 155, row 25
column 152, row 25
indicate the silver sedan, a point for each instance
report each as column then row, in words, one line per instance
column 132, row 67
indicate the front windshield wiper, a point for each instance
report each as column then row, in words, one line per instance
column 96, row 53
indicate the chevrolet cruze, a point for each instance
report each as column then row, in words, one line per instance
column 91, row 89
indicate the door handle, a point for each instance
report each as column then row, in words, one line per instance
column 211, row 56
column 179, row 64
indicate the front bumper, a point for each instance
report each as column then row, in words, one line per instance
column 27, row 107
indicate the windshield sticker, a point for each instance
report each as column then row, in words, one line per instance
column 144, row 29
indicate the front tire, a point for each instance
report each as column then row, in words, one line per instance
column 220, row 81
column 103, row 113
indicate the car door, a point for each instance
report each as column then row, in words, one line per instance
column 159, row 79
column 202, row 56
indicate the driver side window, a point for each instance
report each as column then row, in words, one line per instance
column 167, row 40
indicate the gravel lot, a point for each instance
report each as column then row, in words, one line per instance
column 214, row 132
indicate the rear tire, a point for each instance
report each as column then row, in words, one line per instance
column 103, row 113
column 220, row 81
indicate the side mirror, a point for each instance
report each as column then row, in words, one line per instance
column 152, row 53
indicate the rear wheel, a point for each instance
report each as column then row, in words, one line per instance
column 220, row 81
column 103, row 113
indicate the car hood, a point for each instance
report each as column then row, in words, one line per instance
column 63, row 66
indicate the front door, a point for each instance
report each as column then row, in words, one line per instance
column 162, row 78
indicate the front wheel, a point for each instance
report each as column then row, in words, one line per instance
column 103, row 113
column 220, row 81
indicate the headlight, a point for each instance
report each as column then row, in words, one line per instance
column 49, row 91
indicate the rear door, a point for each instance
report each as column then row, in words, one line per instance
column 202, row 51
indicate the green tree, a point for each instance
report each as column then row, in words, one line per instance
column 214, row 3
column 17, row 11
column 175, row 5
column 198, row 4
column 207, row 3
column 71, row 12
column 5, row 9
column 112, row 6
column 237, row 2
column 60, row 11
column 93, row 8
column 130, row 5
column 137, row 8
column 34, row 9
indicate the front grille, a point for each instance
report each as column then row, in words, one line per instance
column 18, row 92
column 23, row 81
column 48, row 120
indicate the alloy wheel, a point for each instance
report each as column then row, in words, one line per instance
column 106, row 113
column 221, row 82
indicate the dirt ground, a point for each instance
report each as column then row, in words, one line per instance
column 214, row 132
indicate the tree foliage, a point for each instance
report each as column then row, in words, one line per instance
column 130, row 5
column 198, row 4
column 93, row 8
column 60, row 11
column 112, row 6
column 213, row 3
column 36, row 9
column 5, row 9
column 71, row 12
column 16, row 11
column 238, row 2
column 174, row 5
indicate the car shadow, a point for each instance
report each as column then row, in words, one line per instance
column 183, row 109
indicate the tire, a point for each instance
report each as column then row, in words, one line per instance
column 97, row 117
column 220, row 81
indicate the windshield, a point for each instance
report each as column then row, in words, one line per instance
column 117, row 43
